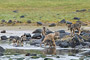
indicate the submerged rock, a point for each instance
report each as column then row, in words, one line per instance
column 35, row 57
column 63, row 44
column 35, row 41
column 48, row 59
column 4, row 38
column 29, row 54
column 20, row 58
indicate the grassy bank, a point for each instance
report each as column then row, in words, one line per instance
column 44, row 10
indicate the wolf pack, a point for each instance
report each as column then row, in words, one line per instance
column 49, row 39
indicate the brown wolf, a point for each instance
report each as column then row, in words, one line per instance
column 51, row 36
column 73, row 27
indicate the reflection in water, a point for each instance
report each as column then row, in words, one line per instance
column 68, row 52
column 49, row 51
column 53, row 51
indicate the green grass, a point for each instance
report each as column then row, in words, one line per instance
column 44, row 10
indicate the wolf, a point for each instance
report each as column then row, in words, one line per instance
column 51, row 37
column 73, row 27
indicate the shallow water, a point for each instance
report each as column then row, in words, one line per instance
column 16, row 53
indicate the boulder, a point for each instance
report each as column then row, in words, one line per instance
column 22, row 16
column 48, row 32
column 37, row 36
column 75, row 41
column 52, row 25
column 67, row 22
column 29, row 54
column 86, row 44
column 14, row 37
column 4, row 38
column 39, row 23
column 86, row 37
column 1, row 54
column 3, row 21
column 15, row 11
column 27, row 34
column 63, row 35
column 48, row 59
column 37, row 31
column 80, row 22
column 2, row 50
column 64, row 44
column 76, row 18
column 28, row 21
column 70, row 41
column 19, row 21
column 35, row 41
column 82, row 10
column 3, row 31
column 63, row 21
column 61, row 31
column 10, row 21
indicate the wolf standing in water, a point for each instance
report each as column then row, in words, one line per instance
column 51, row 37
column 73, row 27
column 48, row 42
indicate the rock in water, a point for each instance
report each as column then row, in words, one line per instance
column 3, row 31
column 34, row 42
column 4, row 38
column 61, row 31
column 37, row 36
column 1, row 51
column 48, row 59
